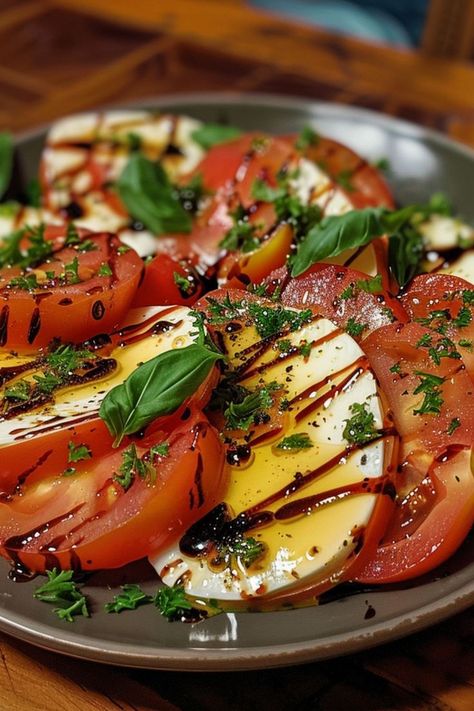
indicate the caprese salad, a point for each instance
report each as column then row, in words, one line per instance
column 232, row 354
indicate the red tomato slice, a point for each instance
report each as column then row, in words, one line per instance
column 333, row 291
column 429, row 524
column 168, row 281
column 445, row 304
column 364, row 185
column 90, row 521
column 75, row 293
column 435, row 483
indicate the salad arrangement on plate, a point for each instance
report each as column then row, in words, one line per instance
column 230, row 354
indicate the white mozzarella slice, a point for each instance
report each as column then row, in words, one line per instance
column 310, row 179
column 144, row 243
column 308, row 546
column 79, row 128
column 98, row 215
column 462, row 267
column 192, row 152
column 59, row 161
column 112, row 121
column 79, row 401
column 442, row 233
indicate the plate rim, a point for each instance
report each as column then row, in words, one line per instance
column 226, row 659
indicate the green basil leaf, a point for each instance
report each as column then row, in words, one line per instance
column 337, row 233
column 149, row 197
column 6, row 161
column 405, row 250
column 211, row 134
column 156, row 388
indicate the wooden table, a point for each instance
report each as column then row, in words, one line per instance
column 66, row 55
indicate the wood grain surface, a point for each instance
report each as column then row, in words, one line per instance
column 66, row 55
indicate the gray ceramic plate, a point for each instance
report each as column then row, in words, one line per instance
column 421, row 162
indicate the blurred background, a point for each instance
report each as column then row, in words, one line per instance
column 411, row 58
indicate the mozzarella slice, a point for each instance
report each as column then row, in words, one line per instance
column 462, row 267
column 441, row 233
column 142, row 340
column 311, row 544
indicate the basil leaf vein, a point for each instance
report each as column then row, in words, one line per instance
column 156, row 388
column 149, row 196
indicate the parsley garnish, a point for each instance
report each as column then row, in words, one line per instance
column 347, row 293
column 251, row 410
column 247, row 550
column 71, row 272
column 295, row 442
column 172, row 602
column 371, row 286
column 27, row 282
column 104, row 270
column 270, row 320
column 468, row 296
column 433, row 399
column 307, row 137
column 463, row 318
column 20, row 390
column 131, row 597
column 395, row 368
column 78, row 453
column 47, row 383
column 160, row 450
column 354, row 328
column 62, row 591
column 65, row 359
column 240, row 236
column 453, row 425
column 130, row 467
column 184, row 283
column 360, row 428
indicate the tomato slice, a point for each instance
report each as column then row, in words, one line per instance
column 435, row 483
column 416, row 543
column 88, row 520
column 445, row 304
column 76, row 292
column 168, row 281
column 361, row 181
column 334, row 291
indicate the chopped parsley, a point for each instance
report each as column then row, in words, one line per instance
column 131, row 597
column 360, row 428
column 270, row 320
column 395, row 368
column 20, row 390
column 240, row 236
column 307, row 137
column 78, row 453
column 65, row 359
column 25, row 282
column 371, row 286
column 468, row 296
column 104, row 270
column 347, row 293
column 247, row 550
column 184, row 283
column 463, row 318
column 62, row 591
column 71, row 272
column 453, row 425
column 465, row 343
column 131, row 466
column 430, row 387
column 354, row 328
column 295, row 442
column 251, row 409
column 172, row 602
column 160, row 450
column 47, row 383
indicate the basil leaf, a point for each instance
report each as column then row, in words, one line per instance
column 337, row 233
column 149, row 197
column 156, row 388
column 211, row 134
column 6, row 161
column 405, row 250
